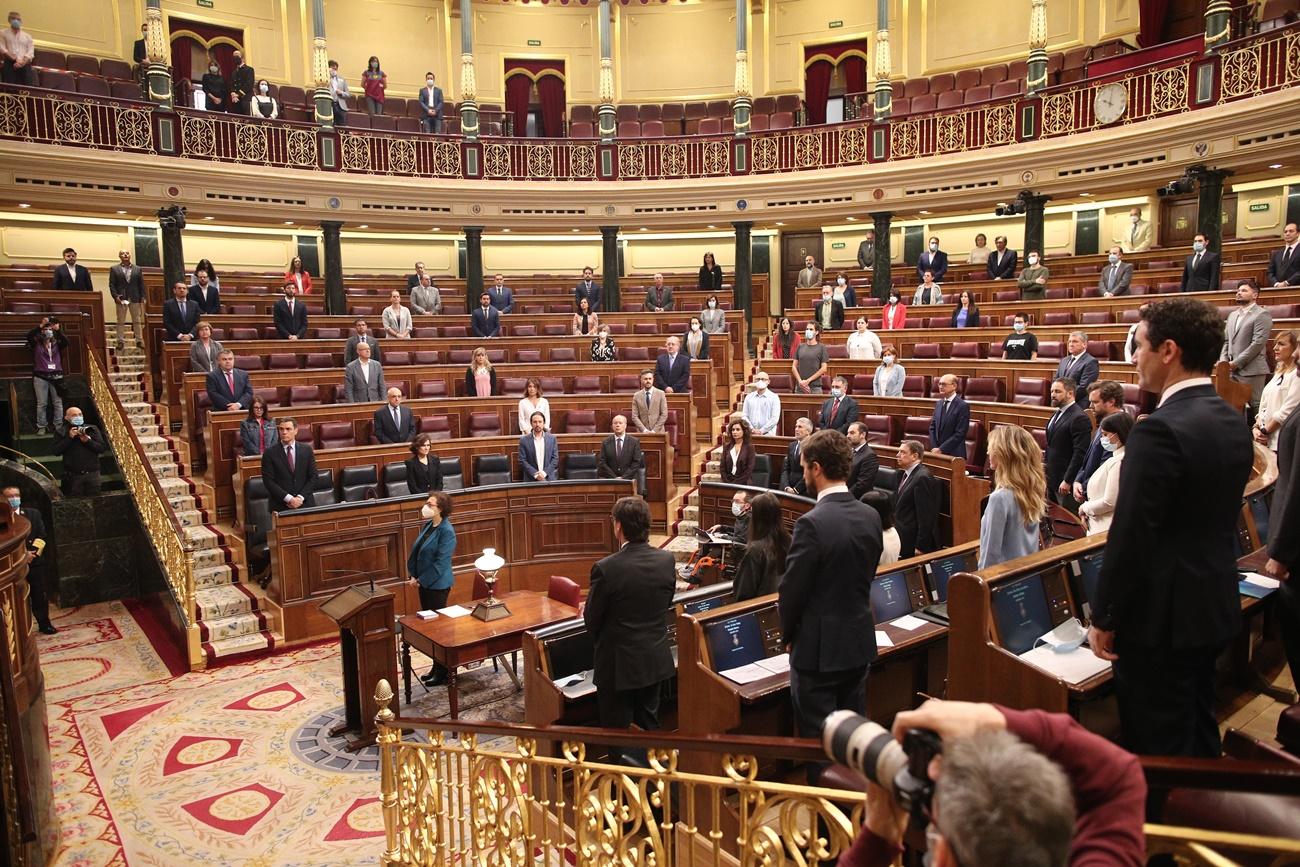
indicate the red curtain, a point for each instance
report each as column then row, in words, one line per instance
column 817, row 89
column 550, row 93
column 182, row 51
column 1151, row 14
column 855, row 74
column 517, row 87
column 212, row 40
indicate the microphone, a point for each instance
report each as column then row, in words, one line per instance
column 358, row 574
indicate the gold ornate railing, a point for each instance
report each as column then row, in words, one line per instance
column 160, row 524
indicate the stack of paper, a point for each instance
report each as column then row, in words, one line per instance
column 426, row 615
column 907, row 621
column 1074, row 667
column 1257, row 585
column 883, row 639
column 454, row 611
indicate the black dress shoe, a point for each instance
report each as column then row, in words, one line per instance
column 434, row 678
column 48, row 629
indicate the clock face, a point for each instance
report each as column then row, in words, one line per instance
column 1110, row 103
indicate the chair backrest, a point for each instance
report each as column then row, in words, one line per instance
column 492, row 470
column 395, row 482
column 969, row 349
column 304, row 395
column 320, row 359
column 513, row 386
column 323, row 488
column 431, row 388
column 950, row 99
column 335, row 435
column 1049, row 349
column 452, row 477
column 563, row 353
column 776, row 120
column 880, row 428
column 634, row 353
column 580, row 465
column 586, row 385
column 712, row 126
column 915, row 385
column 580, row 421
column 1095, row 317
column 397, row 358
column 438, row 427
column 629, row 128
column 1031, row 391
column 925, row 350
column 762, row 473
column 249, row 362
column 282, row 361
column 1058, row 317
column 552, row 384
column 484, row 424
column 582, row 129
column 359, row 483
column 257, row 510
column 564, row 590
column 528, row 356
column 626, row 381
column 917, row 427
column 652, row 128
column 987, row 388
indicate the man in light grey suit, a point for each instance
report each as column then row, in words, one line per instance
column 1245, row 340
column 363, row 379
column 425, row 297
column 1116, row 276
column 649, row 405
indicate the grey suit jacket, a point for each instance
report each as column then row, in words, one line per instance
column 1114, row 279
column 1246, row 338
column 809, row 277
column 426, row 300
column 356, row 389
column 652, row 418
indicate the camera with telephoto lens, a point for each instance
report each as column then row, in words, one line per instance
column 870, row 749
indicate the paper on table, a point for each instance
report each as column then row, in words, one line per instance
column 454, row 611
column 775, row 664
column 427, row 614
column 1074, row 667
column 883, row 640
column 746, row 673
column 907, row 621
column 1261, row 580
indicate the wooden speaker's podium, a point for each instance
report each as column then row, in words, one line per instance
column 364, row 614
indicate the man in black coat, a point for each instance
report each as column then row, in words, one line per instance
column 290, row 315
column 916, row 503
column 289, row 470
column 1284, row 539
column 627, row 610
column 1167, row 603
column 588, row 289
column 395, row 423
column 205, row 294
column 620, row 453
column 1201, row 269
column 485, row 320
column 792, row 471
column 1284, row 264
column 951, row 420
column 228, row 386
column 37, row 594
column 180, row 315
column 825, row 594
column 242, row 83
column 1068, row 432
column 72, row 276
column 673, row 368
column 839, row 410
column 865, row 466
column 1078, row 364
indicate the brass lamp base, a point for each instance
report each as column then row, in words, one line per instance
column 490, row 609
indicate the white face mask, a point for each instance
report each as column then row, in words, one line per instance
column 695, row 326
column 837, row 392
column 713, row 304
column 841, row 281
column 888, row 359
column 427, row 512
column 893, row 299
column 737, row 509
column 809, row 334
column 934, row 246
column 1133, row 218
column 1108, row 444
column 265, row 88
column 1033, row 260
column 1114, row 258
column 1198, row 246
column 429, row 82
column 760, row 384
column 212, row 69
column 1019, row 327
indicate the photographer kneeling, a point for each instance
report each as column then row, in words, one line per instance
column 81, row 446
column 993, row 787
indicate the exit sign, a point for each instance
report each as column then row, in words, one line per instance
column 1259, row 206
column 838, row 245
column 835, row 25
column 534, row 43
column 204, row 4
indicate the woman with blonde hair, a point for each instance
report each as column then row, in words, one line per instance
column 1281, row 396
column 1009, row 528
column 480, row 378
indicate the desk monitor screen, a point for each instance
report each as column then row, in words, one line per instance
column 942, row 569
column 698, row 606
column 735, row 641
column 889, row 597
column 1259, row 509
column 570, row 654
column 1020, row 612
column 1088, row 570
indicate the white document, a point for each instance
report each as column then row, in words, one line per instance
column 1074, row 667
column 454, row 611
column 883, row 640
column 775, row 664
column 427, row 614
column 1261, row 580
column 907, row 621
column 746, row 673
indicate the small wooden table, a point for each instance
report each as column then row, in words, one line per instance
column 456, row 641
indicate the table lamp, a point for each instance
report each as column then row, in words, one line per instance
column 488, row 566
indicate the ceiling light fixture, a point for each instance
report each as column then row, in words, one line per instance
column 1086, row 195
column 23, row 205
column 121, row 212
column 923, row 211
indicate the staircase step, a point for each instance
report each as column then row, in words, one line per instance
column 224, row 601
column 213, row 576
column 201, row 537
column 691, row 513
column 223, row 628
column 209, row 558
column 182, row 502
column 189, row 517
column 230, row 648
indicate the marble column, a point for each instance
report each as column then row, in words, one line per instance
column 468, row 80
column 1209, row 206
column 884, row 92
column 742, row 298
column 336, row 302
column 881, row 278
column 320, row 67
column 611, row 298
column 473, row 265
column 1034, row 205
column 173, row 250
column 1217, row 27
column 605, row 114
column 742, row 104
column 1037, row 75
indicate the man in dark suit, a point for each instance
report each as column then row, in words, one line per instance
column 289, row 470
column 916, row 503
column 290, row 314
column 620, row 453
column 1078, row 364
column 627, row 608
column 395, row 423
column 500, row 296
column 362, row 335
column 70, row 275
column 243, row 81
column 539, row 452
column 588, row 289
column 1116, row 276
column 485, row 321
column 228, row 386
column 950, row 420
column 413, row 280
column 1001, row 264
column 1201, row 270
column 1167, row 603
column 1284, row 539
column 1284, row 264
column 792, row 471
column 673, row 368
column 867, row 251
column 1104, row 397
column 829, row 312
column 839, row 410
column 659, row 298
column 180, row 315
column 1068, row 432
column 431, row 102
column 933, row 260
column 865, row 466
column 36, row 541
column 204, row 293
column 126, row 285
column 824, row 595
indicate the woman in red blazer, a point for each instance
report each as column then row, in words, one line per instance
column 298, row 274
column 894, row 313
column 785, row 340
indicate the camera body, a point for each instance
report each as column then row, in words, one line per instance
column 870, row 749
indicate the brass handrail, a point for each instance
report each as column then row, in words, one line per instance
column 44, row 469
column 159, row 520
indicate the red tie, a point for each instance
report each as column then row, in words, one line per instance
column 230, row 380
column 835, row 409
column 289, row 454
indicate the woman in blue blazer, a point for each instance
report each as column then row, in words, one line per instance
column 429, row 564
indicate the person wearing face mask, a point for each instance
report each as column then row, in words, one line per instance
column 760, row 569
column 951, row 420
column 139, row 51
column 933, row 260
column 839, row 410
column 843, row 292
column 696, row 340
column 894, row 314
column 810, row 361
column 929, row 292
column 762, row 407
column 712, row 316
column 1136, row 236
column 889, row 377
column 215, row 93
column 17, row 51
column 431, row 102
column 48, row 343
column 80, row 448
column 1201, row 268
column 264, row 105
column 429, row 564
column 36, row 541
column 863, row 344
column 290, row 314
column 1103, row 485
column 1009, row 526
column 1116, row 276
column 374, row 81
column 1021, row 344
column 828, row 312
column 602, row 348
column 339, row 94
column 1033, row 280
column 241, row 86
column 1245, row 342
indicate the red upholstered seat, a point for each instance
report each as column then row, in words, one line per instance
column 914, row 87
column 304, row 395
column 459, row 356
column 552, row 384
column 902, row 105
column 431, row 388
column 124, row 89
column 942, row 82
column 915, row 385
column 629, row 129
column 513, row 386
column 969, row 349
column 1004, row 89
column 580, row 421
column 1031, row 391
column 917, row 427
column 1058, row 317
column 1049, row 349
column 484, row 424
column 988, row 388
column 282, row 361
column 991, row 75
column 880, row 429
column 319, row 359
column 564, row 590
column 581, row 112
column 625, row 112
column 1095, row 317
column 523, row 330
column 249, row 362
column 335, row 435
column 978, row 93
column 586, row 385
column 436, row 426
column 528, row 356
column 626, row 382
column 862, row 383
column 652, row 128
column 563, row 353
column 582, row 129
column 713, row 126
column 496, row 356
column 427, row 356
column 633, row 353
column 780, row 120
column 92, row 85
column 396, row 358
column 82, row 64
column 966, row 78
column 925, row 350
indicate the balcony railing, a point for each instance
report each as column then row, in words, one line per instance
column 1251, row 66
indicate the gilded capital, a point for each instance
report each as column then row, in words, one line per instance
column 468, row 81
column 883, row 61
column 156, row 46
column 606, row 89
column 320, row 62
column 742, row 74
column 1038, row 24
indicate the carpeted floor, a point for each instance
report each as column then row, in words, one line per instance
column 230, row 766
